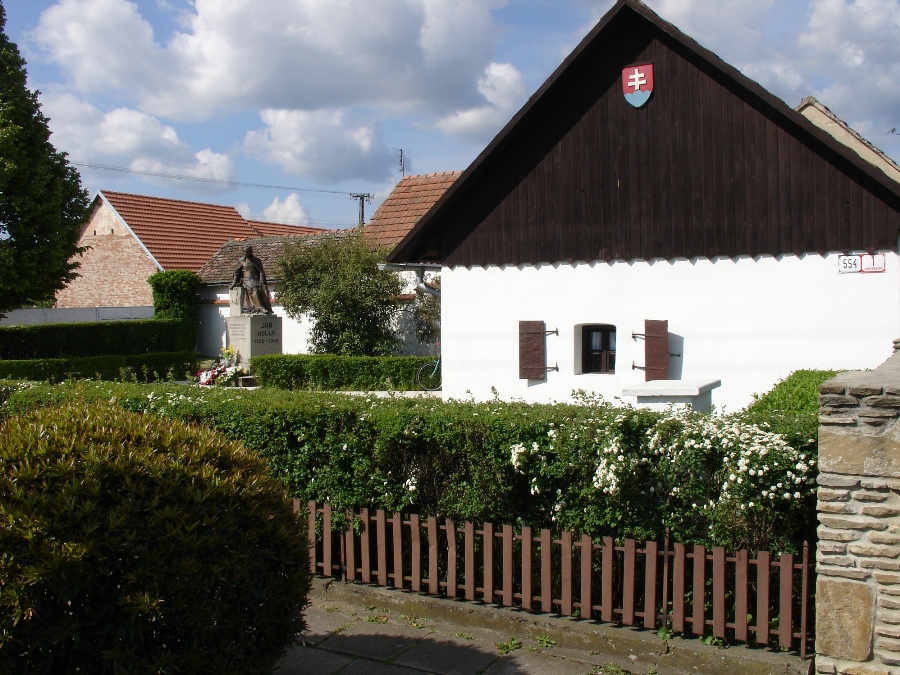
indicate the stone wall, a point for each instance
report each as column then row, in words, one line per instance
column 858, row 556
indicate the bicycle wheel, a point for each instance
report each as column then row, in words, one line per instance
column 429, row 376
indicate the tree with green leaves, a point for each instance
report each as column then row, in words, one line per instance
column 42, row 203
column 335, row 280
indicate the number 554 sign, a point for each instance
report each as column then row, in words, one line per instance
column 865, row 263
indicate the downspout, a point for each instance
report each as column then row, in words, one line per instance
column 422, row 286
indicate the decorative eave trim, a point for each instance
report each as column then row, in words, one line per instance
column 407, row 246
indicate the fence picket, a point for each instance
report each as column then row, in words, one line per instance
column 416, row 554
column 381, row 546
column 678, row 577
column 719, row 592
column 397, row 531
column 452, row 588
column 565, row 545
column 488, row 556
column 507, row 538
column 762, row 597
column 327, row 539
column 606, row 571
column 651, row 556
column 469, row 530
column 587, row 555
column 527, row 592
column 432, row 528
column 740, row 595
column 785, row 605
column 311, row 534
column 698, row 625
column 630, row 555
column 546, row 587
column 349, row 548
column 364, row 550
column 359, row 566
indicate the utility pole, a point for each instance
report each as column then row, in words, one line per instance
column 363, row 198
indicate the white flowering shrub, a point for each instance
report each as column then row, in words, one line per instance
column 742, row 480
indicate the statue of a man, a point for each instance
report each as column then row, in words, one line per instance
column 250, row 276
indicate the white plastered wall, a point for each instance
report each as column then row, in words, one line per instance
column 745, row 321
column 213, row 330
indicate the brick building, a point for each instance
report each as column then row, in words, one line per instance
column 129, row 237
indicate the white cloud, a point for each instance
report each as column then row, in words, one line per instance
column 420, row 55
column 321, row 145
column 857, row 44
column 125, row 136
column 288, row 211
column 502, row 87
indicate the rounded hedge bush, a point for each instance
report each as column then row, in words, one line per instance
column 134, row 544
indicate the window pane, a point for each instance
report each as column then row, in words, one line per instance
column 596, row 340
column 597, row 363
column 612, row 362
column 612, row 340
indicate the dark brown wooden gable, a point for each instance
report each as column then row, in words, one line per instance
column 707, row 167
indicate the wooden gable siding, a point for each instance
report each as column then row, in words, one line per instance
column 705, row 168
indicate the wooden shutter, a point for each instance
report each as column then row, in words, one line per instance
column 656, row 350
column 532, row 350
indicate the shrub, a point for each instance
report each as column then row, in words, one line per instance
column 326, row 371
column 136, row 544
column 68, row 340
column 141, row 367
column 175, row 295
column 595, row 468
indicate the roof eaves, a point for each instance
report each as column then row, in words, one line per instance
column 406, row 246
column 129, row 230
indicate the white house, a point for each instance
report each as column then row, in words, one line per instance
column 655, row 226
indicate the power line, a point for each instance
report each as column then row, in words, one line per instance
column 200, row 179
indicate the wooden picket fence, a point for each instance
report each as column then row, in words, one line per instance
column 656, row 585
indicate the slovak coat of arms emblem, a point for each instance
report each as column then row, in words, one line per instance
column 637, row 83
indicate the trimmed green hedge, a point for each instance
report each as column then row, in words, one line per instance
column 594, row 468
column 142, row 367
column 338, row 373
column 69, row 340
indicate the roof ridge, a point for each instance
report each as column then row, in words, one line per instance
column 170, row 199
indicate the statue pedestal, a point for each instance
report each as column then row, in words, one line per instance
column 254, row 334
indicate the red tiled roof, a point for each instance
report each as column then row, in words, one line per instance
column 181, row 235
column 409, row 201
column 267, row 229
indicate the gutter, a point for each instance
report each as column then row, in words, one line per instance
column 419, row 269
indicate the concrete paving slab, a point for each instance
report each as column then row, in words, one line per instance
column 366, row 667
column 521, row 661
column 382, row 642
column 322, row 623
column 310, row 661
column 448, row 656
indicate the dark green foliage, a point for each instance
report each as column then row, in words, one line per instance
column 352, row 303
column 329, row 372
column 140, row 367
column 134, row 544
column 454, row 459
column 427, row 313
column 175, row 295
column 64, row 340
column 42, row 203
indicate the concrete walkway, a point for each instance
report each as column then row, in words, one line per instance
column 362, row 630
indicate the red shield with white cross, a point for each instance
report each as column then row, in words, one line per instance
column 637, row 83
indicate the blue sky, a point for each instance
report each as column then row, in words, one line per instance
column 320, row 95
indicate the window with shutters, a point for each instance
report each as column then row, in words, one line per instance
column 598, row 348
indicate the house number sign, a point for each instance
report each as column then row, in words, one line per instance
column 863, row 264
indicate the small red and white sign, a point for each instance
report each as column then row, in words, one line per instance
column 637, row 83
column 866, row 263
